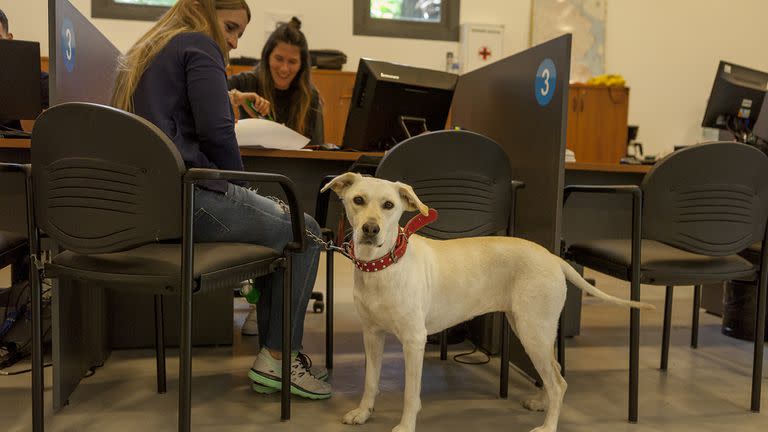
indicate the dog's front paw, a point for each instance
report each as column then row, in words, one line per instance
column 357, row 416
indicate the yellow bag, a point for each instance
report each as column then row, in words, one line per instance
column 607, row 80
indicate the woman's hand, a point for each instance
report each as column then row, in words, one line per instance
column 252, row 103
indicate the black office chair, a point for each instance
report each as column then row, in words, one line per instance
column 467, row 178
column 113, row 191
column 693, row 213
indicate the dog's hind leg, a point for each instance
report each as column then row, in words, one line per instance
column 413, row 350
column 374, row 351
column 538, row 339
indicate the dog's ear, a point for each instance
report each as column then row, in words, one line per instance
column 411, row 201
column 341, row 182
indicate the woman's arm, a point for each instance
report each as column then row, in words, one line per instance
column 209, row 101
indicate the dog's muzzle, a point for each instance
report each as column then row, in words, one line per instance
column 370, row 232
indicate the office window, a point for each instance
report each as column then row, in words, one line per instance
column 145, row 10
column 415, row 19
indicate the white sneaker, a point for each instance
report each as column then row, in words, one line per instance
column 250, row 325
column 266, row 371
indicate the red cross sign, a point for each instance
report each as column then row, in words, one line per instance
column 484, row 53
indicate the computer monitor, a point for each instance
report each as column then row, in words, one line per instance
column 736, row 98
column 19, row 80
column 82, row 61
column 391, row 102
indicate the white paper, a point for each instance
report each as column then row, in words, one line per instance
column 261, row 133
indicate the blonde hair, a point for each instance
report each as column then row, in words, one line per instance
column 185, row 16
column 291, row 34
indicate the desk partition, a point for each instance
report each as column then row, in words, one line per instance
column 521, row 102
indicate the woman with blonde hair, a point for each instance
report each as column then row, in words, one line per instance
column 175, row 77
column 280, row 86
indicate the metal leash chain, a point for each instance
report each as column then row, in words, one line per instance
column 327, row 245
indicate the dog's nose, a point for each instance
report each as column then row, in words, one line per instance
column 370, row 228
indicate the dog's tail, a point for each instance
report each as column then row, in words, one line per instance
column 575, row 278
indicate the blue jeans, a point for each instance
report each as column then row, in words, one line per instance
column 243, row 216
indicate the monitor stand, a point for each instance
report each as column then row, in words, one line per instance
column 419, row 121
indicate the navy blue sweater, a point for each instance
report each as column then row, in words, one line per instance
column 184, row 93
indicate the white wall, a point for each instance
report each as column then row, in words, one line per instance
column 667, row 50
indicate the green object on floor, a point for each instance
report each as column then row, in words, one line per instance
column 250, row 292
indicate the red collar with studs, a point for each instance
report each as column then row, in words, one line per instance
column 378, row 264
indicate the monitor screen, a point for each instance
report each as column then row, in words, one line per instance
column 19, row 80
column 82, row 61
column 736, row 98
column 391, row 102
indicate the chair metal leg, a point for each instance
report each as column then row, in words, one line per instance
column 667, row 327
column 329, row 310
column 695, row 319
column 504, row 373
column 634, row 360
column 757, row 360
column 160, row 344
column 185, row 300
column 634, row 314
column 38, row 382
column 561, row 345
column 444, row 345
column 285, row 392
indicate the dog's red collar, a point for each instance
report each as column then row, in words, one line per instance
column 398, row 250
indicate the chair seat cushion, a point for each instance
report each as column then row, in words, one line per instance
column 158, row 266
column 660, row 264
column 12, row 246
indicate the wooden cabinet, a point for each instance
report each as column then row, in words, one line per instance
column 597, row 123
column 335, row 89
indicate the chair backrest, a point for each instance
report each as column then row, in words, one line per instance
column 709, row 199
column 463, row 175
column 104, row 180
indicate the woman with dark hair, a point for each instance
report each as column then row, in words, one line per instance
column 280, row 86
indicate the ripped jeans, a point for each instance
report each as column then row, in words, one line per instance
column 243, row 216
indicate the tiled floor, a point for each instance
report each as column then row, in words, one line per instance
column 705, row 389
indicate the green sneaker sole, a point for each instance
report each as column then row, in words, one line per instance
column 276, row 384
column 258, row 388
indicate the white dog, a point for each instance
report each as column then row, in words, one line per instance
column 418, row 294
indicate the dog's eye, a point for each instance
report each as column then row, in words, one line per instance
column 358, row 200
column 389, row 205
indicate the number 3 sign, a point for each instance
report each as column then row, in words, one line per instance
column 68, row 44
column 546, row 80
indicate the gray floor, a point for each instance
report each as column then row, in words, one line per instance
column 705, row 389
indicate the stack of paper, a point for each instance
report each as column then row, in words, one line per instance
column 261, row 133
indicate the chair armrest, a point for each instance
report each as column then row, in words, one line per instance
column 614, row 189
column 15, row 168
column 637, row 204
column 516, row 186
column 298, row 244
